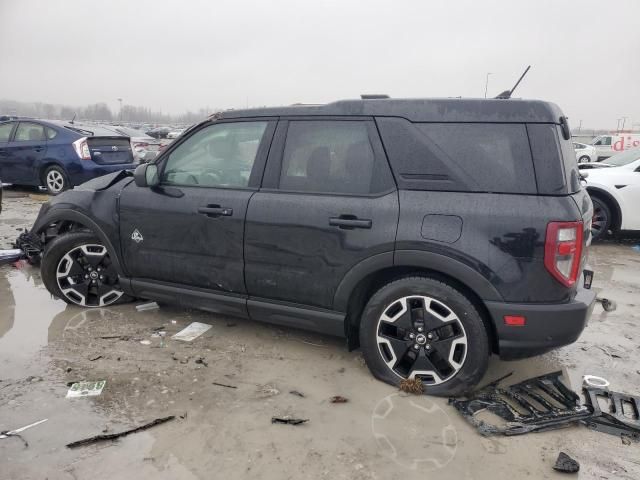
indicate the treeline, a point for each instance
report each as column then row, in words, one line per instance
column 97, row 112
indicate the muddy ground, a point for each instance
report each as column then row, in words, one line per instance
column 222, row 432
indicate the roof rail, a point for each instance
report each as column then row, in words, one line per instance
column 374, row 96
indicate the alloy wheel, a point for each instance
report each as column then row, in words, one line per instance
column 599, row 221
column 86, row 276
column 420, row 336
column 55, row 181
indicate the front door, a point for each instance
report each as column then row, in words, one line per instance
column 189, row 230
column 23, row 154
column 328, row 202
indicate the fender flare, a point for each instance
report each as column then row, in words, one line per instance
column 64, row 214
column 443, row 264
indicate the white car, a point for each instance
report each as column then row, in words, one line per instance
column 615, row 192
column 175, row 133
column 585, row 153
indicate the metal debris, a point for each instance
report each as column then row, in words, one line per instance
column 289, row 420
column 223, row 385
column 17, row 431
column 147, row 306
column 566, row 464
column 622, row 417
column 113, row 436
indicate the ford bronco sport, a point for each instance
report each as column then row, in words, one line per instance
column 429, row 232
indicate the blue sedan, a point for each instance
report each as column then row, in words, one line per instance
column 59, row 155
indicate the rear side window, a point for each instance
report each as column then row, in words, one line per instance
column 472, row 157
column 572, row 175
column 5, row 131
column 329, row 156
column 51, row 133
column 29, row 132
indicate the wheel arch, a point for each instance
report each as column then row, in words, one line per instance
column 612, row 203
column 61, row 219
column 370, row 275
column 42, row 168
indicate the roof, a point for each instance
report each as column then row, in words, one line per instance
column 421, row 110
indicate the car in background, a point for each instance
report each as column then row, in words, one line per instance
column 59, row 155
column 145, row 148
column 615, row 193
column 608, row 145
column 159, row 132
column 585, row 153
column 173, row 134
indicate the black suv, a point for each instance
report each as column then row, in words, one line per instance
column 430, row 233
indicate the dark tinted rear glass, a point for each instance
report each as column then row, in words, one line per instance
column 571, row 171
column 472, row 157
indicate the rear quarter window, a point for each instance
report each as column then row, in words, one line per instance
column 472, row 157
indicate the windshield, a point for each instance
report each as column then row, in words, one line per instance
column 623, row 158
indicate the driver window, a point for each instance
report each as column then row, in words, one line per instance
column 220, row 155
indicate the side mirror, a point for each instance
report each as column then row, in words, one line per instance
column 146, row 175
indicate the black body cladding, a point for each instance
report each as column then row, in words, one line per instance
column 271, row 245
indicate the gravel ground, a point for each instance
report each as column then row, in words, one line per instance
column 227, row 432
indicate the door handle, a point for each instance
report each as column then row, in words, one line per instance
column 38, row 149
column 349, row 222
column 215, row 211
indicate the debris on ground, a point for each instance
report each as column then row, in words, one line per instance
column 191, row 332
column 223, row 385
column 607, row 304
column 202, row 361
column 297, row 393
column 145, row 342
column 17, row 431
column 566, row 464
column 10, row 256
column 289, row 420
column 593, row 381
column 338, row 399
column 538, row 404
column 412, row 385
column 147, row 306
column 113, row 436
column 86, row 389
column 265, row 391
column 124, row 338
column 621, row 418
column 94, row 358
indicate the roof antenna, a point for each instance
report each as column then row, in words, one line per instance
column 507, row 93
column 74, row 117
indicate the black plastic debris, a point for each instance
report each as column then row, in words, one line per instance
column 622, row 417
column 297, row 393
column 566, row 464
column 289, row 420
column 31, row 246
column 538, row 404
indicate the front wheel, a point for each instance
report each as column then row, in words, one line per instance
column 77, row 268
column 601, row 221
column 584, row 159
column 419, row 327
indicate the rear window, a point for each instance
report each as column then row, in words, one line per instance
column 571, row 172
column 472, row 157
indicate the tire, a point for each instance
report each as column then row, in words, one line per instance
column 464, row 342
column 584, row 159
column 601, row 221
column 77, row 268
column 55, row 180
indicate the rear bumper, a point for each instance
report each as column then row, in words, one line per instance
column 93, row 170
column 548, row 326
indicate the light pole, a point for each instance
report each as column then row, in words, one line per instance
column 624, row 120
column 120, row 100
column 580, row 126
column 618, row 126
column 486, row 84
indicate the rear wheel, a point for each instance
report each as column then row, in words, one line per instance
column 77, row 268
column 55, row 180
column 419, row 327
column 601, row 221
column 584, row 159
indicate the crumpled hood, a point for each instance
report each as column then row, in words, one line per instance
column 105, row 181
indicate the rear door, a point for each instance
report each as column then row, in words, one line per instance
column 189, row 230
column 110, row 150
column 23, row 154
column 328, row 202
column 6, row 130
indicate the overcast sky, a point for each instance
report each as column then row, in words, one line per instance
column 188, row 54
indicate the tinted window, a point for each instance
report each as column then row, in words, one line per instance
column 219, row 155
column 332, row 157
column 5, row 131
column 486, row 157
column 29, row 132
column 51, row 133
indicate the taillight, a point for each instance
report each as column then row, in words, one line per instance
column 82, row 148
column 563, row 251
